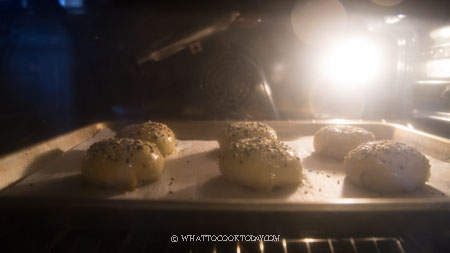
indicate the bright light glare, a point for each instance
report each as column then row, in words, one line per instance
column 438, row 68
column 340, row 121
column 354, row 61
column 393, row 19
column 441, row 33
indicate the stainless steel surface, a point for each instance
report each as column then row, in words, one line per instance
column 235, row 84
column 182, row 43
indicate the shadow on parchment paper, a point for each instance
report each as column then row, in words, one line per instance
column 221, row 188
column 317, row 162
column 38, row 163
column 67, row 162
column 59, row 177
column 43, row 160
column 215, row 153
column 181, row 161
column 350, row 190
column 70, row 186
column 211, row 184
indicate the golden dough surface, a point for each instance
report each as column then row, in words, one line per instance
column 387, row 167
column 243, row 130
column 122, row 163
column 335, row 141
column 261, row 164
column 154, row 132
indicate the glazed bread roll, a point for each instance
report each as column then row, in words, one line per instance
column 336, row 141
column 242, row 130
column 261, row 164
column 387, row 167
column 153, row 132
column 122, row 163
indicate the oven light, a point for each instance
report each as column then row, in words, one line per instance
column 351, row 62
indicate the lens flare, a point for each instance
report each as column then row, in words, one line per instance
column 317, row 22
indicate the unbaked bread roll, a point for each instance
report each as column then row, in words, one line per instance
column 336, row 141
column 153, row 132
column 387, row 167
column 122, row 163
column 261, row 164
column 242, row 130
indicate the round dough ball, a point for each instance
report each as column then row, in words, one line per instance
column 153, row 132
column 261, row 164
column 242, row 130
column 387, row 167
column 122, row 163
column 336, row 141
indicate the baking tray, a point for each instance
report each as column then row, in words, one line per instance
column 191, row 180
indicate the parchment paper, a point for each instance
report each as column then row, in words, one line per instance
column 193, row 174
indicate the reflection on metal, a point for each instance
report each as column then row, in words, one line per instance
column 195, row 47
column 441, row 33
column 182, row 43
column 440, row 116
column 433, row 82
column 232, row 82
column 261, row 246
column 387, row 3
column 268, row 92
column 438, row 68
column 394, row 19
column 71, row 3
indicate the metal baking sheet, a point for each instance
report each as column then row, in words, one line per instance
column 192, row 174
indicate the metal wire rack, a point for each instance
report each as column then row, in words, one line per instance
column 123, row 241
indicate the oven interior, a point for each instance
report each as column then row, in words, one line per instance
column 66, row 64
